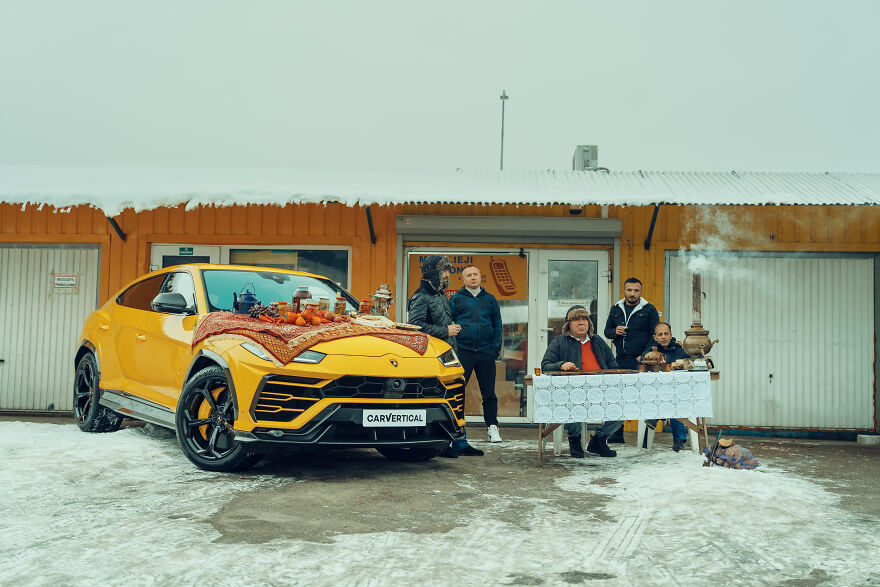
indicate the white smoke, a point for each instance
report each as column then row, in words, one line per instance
column 719, row 235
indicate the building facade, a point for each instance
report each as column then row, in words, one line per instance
column 789, row 290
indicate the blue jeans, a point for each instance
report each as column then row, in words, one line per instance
column 679, row 431
column 460, row 443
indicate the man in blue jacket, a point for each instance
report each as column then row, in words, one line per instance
column 479, row 341
column 672, row 351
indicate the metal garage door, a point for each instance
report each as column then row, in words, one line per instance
column 797, row 336
column 46, row 292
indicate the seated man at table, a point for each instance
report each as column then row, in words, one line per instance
column 672, row 351
column 579, row 349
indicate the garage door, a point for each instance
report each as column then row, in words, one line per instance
column 46, row 293
column 796, row 332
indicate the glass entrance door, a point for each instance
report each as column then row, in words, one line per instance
column 534, row 288
column 562, row 279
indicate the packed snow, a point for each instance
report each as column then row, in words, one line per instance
column 114, row 189
column 128, row 508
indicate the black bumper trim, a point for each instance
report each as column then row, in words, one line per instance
column 341, row 425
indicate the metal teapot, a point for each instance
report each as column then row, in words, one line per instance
column 245, row 300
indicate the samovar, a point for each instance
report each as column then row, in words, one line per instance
column 382, row 300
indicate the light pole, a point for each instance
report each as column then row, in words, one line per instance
column 504, row 98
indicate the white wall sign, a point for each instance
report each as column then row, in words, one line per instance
column 65, row 281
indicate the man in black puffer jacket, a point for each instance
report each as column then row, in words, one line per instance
column 630, row 324
column 578, row 348
column 429, row 308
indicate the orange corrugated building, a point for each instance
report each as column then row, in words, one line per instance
column 795, row 257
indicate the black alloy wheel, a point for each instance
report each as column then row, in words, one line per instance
column 90, row 415
column 204, row 420
column 408, row 455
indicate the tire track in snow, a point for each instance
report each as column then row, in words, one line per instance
column 624, row 537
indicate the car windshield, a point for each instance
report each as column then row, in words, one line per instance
column 221, row 287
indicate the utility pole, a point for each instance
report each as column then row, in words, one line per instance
column 504, row 98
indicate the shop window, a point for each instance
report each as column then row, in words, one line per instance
column 331, row 263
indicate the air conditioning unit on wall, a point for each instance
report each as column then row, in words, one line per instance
column 585, row 157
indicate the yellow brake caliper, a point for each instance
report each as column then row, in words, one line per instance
column 205, row 410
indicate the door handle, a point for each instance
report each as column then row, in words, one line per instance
column 142, row 337
column 104, row 327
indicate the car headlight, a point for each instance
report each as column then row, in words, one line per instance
column 313, row 357
column 255, row 350
column 449, row 359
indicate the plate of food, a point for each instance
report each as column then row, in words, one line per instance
column 373, row 320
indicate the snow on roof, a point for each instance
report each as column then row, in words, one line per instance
column 113, row 189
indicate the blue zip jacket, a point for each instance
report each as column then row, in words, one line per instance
column 480, row 320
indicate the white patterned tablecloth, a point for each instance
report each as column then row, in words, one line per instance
column 615, row 396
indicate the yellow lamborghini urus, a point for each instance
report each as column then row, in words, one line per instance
column 187, row 348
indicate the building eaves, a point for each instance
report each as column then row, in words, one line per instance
column 113, row 189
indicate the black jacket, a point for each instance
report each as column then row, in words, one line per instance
column 672, row 352
column 429, row 308
column 480, row 320
column 565, row 348
column 640, row 331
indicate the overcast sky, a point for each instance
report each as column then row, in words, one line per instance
column 683, row 85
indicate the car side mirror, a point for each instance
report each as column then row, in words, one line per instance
column 171, row 303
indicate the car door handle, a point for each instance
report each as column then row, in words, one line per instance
column 104, row 327
column 142, row 337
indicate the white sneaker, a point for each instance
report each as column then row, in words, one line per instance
column 493, row 434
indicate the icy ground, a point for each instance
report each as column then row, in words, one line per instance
column 128, row 508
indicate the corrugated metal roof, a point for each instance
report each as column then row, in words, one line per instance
column 115, row 188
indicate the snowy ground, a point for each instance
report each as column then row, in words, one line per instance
column 128, row 508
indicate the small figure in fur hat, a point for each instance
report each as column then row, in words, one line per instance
column 734, row 456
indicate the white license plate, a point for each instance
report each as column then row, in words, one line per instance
column 394, row 418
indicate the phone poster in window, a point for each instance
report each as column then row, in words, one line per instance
column 505, row 276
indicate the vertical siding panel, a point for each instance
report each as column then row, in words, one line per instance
column 176, row 221
column 802, row 218
column 55, row 224
column 316, row 220
column 819, row 224
column 285, row 221
column 68, row 222
column 331, row 219
column 208, row 220
column 40, row 220
column 223, row 220
column 834, row 224
column 23, row 220
column 83, row 219
column 788, row 229
column 853, row 224
column 871, row 232
column 159, row 218
column 268, row 220
column 254, row 220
